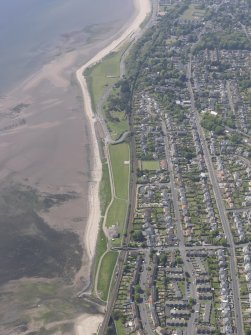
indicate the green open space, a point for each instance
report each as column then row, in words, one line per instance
column 149, row 165
column 105, row 188
column 117, row 125
column 117, row 214
column 120, row 155
column 120, row 327
column 101, row 247
column 105, row 274
column 103, row 74
column 194, row 12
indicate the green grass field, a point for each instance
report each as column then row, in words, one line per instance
column 105, row 273
column 104, row 73
column 105, row 189
column 101, row 247
column 193, row 13
column 117, row 214
column 149, row 165
column 120, row 328
column 120, row 156
column 117, row 128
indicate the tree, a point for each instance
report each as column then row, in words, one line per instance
column 138, row 236
column 110, row 331
column 116, row 315
column 163, row 259
column 235, row 138
column 192, row 301
column 137, row 298
column 179, row 260
column 138, row 289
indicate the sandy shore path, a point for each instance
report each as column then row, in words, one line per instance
column 142, row 9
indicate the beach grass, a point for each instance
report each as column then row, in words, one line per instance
column 105, row 273
column 103, row 74
column 105, row 188
column 120, row 156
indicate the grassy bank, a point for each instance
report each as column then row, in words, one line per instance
column 105, row 188
column 101, row 247
column 105, row 274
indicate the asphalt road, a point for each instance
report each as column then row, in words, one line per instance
column 143, row 306
column 182, row 248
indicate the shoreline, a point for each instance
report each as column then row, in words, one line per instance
column 142, row 9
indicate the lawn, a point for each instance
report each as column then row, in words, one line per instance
column 117, row 125
column 100, row 247
column 193, row 13
column 105, row 188
column 105, row 273
column 120, row 156
column 149, row 165
column 120, row 328
column 103, row 74
column 117, row 214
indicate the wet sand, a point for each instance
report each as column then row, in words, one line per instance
column 46, row 140
column 48, row 143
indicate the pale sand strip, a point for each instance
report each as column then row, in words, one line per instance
column 142, row 8
column 88, row 324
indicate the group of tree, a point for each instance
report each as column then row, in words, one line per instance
column 213, row 123
column 138, row 236
column 120, row 101
column 227, row 39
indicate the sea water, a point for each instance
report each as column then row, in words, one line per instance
column 30, row 28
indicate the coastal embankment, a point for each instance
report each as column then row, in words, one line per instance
column 142, row 9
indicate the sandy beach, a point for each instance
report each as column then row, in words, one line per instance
column 142, row 9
